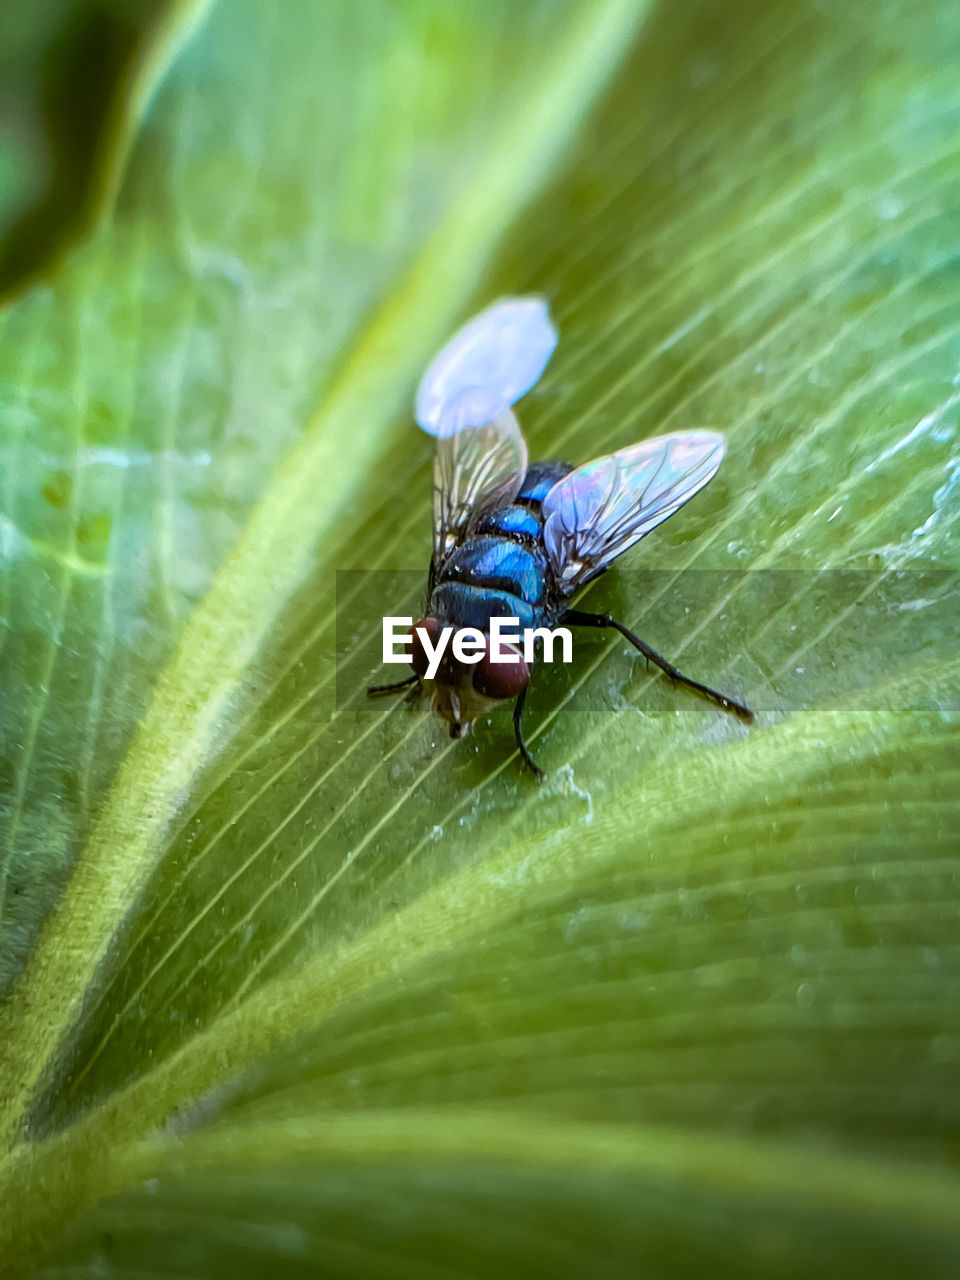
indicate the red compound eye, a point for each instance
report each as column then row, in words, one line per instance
column 419, row 660
column 501, row 679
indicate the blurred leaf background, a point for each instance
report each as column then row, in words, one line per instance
column 293, row 986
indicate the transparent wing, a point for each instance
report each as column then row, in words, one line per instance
column 601, row 509
column 475, row 469
column 501, row 353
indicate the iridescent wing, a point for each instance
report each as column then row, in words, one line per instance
column 601, row 509
column 476, row 468
column 464, row 400
column 500, row 354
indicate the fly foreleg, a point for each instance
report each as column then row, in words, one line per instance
column 574, row 618
column 381, row 690
column 518, row 730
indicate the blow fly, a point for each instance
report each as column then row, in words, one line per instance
column 513, row 539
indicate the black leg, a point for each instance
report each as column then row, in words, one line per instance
column 518, row 730
column 379, row 690
column 574, row 618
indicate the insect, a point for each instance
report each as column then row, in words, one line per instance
column 518, row 539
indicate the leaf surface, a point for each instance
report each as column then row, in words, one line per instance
column 300, row 985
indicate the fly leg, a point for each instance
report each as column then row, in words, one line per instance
column 380, row 690
column 518, row 730
column 574, row 618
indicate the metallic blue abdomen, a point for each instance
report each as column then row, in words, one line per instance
column 512, row 522
column 501, row 570
column 454, row 604
column 500, row 564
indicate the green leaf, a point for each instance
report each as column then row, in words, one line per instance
column 77, row 76
column 296, row 984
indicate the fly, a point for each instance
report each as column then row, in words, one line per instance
column 515, row 539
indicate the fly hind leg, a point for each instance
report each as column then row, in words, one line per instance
column 574, row 618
